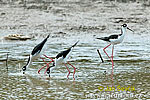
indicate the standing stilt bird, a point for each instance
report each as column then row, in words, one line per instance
column 61, row 58
column 115, row 39
column 34, row 54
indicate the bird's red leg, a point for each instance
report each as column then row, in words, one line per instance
column 49, row 57
column 112, row 54
column 112, row 59
column 47, row 67
column 74, row 70
column 49, row 63
column 43, row 66
column 43, row 60
column 106, row 52
column 68, row 71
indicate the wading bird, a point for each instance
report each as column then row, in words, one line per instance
column 113, row 40
column 61, row 58
column 34, row 54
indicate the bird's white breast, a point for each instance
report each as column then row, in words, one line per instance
column 35, row 56
column 58, row 61
column 117, row 41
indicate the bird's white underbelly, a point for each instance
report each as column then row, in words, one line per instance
column 117, row 41
column 59, row 61
column 35, row 56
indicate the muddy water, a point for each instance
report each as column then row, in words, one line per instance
column 131, row 58
column 131, row 62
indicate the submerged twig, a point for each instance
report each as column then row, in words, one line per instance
column 100, row 56
column 7, row 62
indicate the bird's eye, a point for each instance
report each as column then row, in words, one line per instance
column 124, row 25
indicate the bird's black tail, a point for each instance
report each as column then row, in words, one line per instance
column 103, row 38
column 39, row 46
column 75, row 44
column 100, row 38
column 47, row 36
column 43, row 42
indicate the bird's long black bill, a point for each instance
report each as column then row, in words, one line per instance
column 100, row 56
column 130, row 29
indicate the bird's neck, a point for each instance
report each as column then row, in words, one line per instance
column 123, row 30
column 29, row 61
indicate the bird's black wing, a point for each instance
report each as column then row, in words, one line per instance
column 108, row 38
column 39, row 47
column 63, row 53
column 113, row 36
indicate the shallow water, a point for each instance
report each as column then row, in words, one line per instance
column 77, row 22
column 131, row 62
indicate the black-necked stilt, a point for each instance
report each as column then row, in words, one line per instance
column 34, row 54
column 115, row 39
column 61, row 58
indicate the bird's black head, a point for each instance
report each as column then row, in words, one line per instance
column 124, row 25
column 48, row 70
column 24, row 69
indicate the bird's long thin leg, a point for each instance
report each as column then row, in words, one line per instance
column 47, row 67
column 112, row 59
column 106, row 52
column 112, row 54
column 47, row 64
column 68, row 71
column 49, row 57
column 43, row 66
column 44, row 61
column 74, row 69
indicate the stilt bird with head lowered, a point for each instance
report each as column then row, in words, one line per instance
column 61, row 58
column 114, row 40
column 34, row 54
